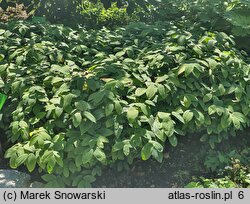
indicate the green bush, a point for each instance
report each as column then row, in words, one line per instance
column 81, row 99
column 216, row 160
column 13, row 13
column 65, row 11
column 91, row 14
column 96, row 15
column 234, row 176
column 230, row 16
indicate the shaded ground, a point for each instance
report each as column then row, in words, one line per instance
column 180, row 164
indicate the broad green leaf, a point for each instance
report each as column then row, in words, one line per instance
column 135, row 141
column 86, row 157
column 109, row 109
column 13, row 162
column 188, row 116
column 21, row 159
column 118, row 107
column 67, row 100
column 140, row 91
column 60, row 69
column 77, row 119
column 173, row 140
column 161, row 79
column 212, row 109
column 100, row 155
column 238, row 93
column 85, row 127
column 117, row 146
column 151, row 91
column 66, row 171
column 89, row 116
column 198, row 50
column 186, row 101
column 225, row 120
column 200, row 118
column 31, row 162
column 56, row 80
column 126, row 149
column 207, row 97
column 237, row 119
column 78, row 160
column 221, row 89
column 168, row 127
column 164, row 116
column 178, row 116
column 96, row 97
column 212, row 63
column 162, row 91
column 187, row 68
column 239, row 116
column 11, row 152
column 157, row 146
column 82, row 105
column 58, row 111
column 2, row 31
column 59, row 161
column 143, row 107
column 146, row 151
column 1, row 57
column 132, row 114
column 3, row 98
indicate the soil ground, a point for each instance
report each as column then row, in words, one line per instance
column 180, row 164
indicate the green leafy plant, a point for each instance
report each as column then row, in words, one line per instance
column 216, row 160
column 82, row 99
column 2, row 100
column 54, row 11
column 13, row 13
column 96, row 15
column 234, row 176
column 90, row 13
column 230, row 16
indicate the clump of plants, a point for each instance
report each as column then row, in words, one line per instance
column 234, row 176
column 79, row 100
column 216, row 160
column 230, row 16
column 13, row 13
column 96, row 15
column 88, row 13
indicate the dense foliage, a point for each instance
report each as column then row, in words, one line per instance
column 81, row 99
column 13, row 13
column 96, row 15
column 90, row 13
column 234, row 176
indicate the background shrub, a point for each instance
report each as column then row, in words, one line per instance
column 13, row 13
column 234, row 176
column 93, row 14
column 96, row 15
column 230, row 16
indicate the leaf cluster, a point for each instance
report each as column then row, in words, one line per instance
column 82, row 99
column 234, row 176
